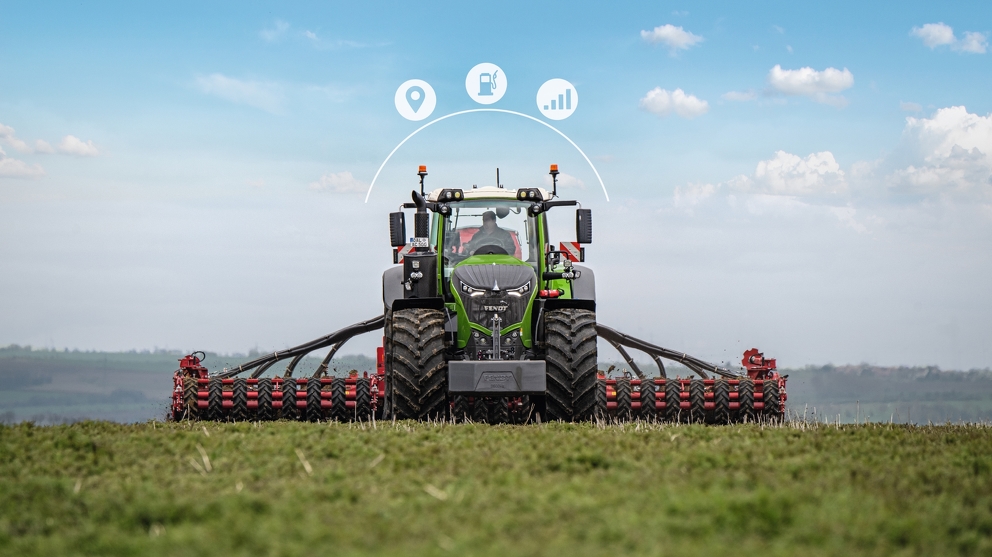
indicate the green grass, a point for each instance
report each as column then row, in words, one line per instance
column 101, row 488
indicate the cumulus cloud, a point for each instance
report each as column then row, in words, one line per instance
column 940, row 34
column 13, row 168
column 7, row 137
column 274, row 33
column 817, row 85
column 740, row 96
column 948, row 154
column 42, row 146
column 661, row 102
column 675, row 38
column 339, row 182
column 792, row 175
column 72, row 145
column 264, row 95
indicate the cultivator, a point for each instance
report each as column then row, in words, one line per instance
column 486, row 321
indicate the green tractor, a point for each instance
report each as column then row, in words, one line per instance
column 485, row 318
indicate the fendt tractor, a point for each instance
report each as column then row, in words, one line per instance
column 484, row 320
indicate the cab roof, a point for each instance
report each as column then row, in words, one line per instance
column 487, row 192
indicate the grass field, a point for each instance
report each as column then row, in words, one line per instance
column 281, row 488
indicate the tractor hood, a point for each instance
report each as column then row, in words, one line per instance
column 494, row 285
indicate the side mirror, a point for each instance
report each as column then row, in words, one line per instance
column 583, row 226
column 397, row 229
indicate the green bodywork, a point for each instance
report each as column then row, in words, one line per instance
column 453, row 299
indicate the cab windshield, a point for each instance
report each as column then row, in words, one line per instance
column 487, row 227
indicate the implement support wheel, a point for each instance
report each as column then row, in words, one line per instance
column 289, row 409
column 190, row 386
column 647, row 411
column 697, row 400
column 215, row 399
column 339, row 410
column 745, row 396
column 623, row 399
column 672, row 400
column 239, row 400
column 721, row 402
column 459, row 409
column 264, row 388
column 314, row 411
column 771, row 412
column 363, row 400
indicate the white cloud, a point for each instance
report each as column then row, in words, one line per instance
column 311, row 35
column 72, row 145
column 659, row 101
column 811, row 83
column 13, row 168
column 339, row 182
column 791, row 175
column 940, row 34
column 692, row 194
column 910, row 107
column 42, row 146
column 274, row 33
column 7, row 137
column 934, row 34
column 264, row 95
column 740, row 96
column 975, row 43
column 948, row 154
column 676, row 38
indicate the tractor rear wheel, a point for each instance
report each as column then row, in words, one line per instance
column 647, row 411
column 418, row 371
column 264, row 410
column 239, row 400
column 623, row 399
column 570, row 335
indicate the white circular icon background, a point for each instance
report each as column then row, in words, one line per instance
column 557, row 99
column 415, row 99
column 485, row 83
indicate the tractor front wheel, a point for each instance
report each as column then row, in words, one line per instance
column 570, row 335
column 417, row 370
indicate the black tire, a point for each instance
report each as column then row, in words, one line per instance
column 191, row 409
column 264, row 411
column 499, row 410
column 314, row 411
column 418, row 369
column 239, row 398
column 570, row 335
column 623, row 399
column 721, row 402
column 772, row 410
column 460, row 409
column 289, row 409
column 339, row 407
column 697, row 400
column 363, row 400
column 673, row 412
column 480, row 410
column 602, row 412
column 387, row 404
column 745, row 396
column 215, row 400
column 647, row 410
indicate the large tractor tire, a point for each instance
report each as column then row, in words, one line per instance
column 418, row 372
column 570, row 335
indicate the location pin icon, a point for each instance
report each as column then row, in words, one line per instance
column 415, row 97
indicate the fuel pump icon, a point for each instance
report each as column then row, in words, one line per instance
column 487, row 83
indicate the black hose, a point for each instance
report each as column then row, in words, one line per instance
column 699, row 366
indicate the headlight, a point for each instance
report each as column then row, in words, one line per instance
column 519, row 291
column 473, row 291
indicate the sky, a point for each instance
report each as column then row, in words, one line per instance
column 811, row 180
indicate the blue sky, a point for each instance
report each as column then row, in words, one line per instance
column 810, row 179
